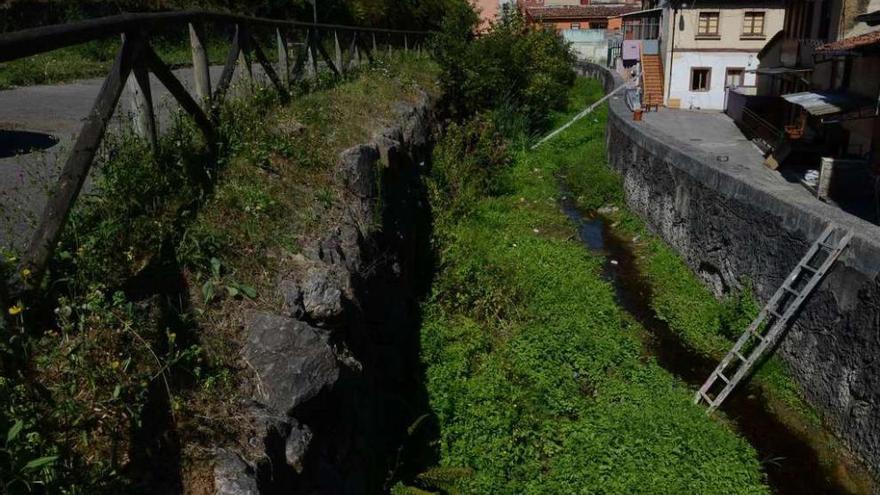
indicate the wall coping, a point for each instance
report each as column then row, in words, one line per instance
column 800, row 214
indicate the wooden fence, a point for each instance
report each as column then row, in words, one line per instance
column 136, row 59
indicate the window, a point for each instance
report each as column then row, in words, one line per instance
column 575, row 26
column 598, row 25
column 734, row 78
column 700, row 78
column 753, row 24
column 708, row 24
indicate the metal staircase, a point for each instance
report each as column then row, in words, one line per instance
column 764, row 331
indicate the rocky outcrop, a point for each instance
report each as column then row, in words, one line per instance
column 332, row 368
column 729, row 228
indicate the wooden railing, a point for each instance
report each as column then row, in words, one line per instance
column 136, row 59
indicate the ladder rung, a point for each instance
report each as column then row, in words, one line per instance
column 706, row 398
column 788, row 289
column 774, row 313
column 758, row 336
column 724, row 378
column 808, row 267
column 740, row 356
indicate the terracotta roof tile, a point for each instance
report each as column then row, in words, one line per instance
column 579, row 11
column 856, row 42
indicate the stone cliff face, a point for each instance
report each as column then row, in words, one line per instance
column 335, row 372
column 728, row 229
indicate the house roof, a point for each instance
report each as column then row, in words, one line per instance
column 579, row 11
column 863, row 41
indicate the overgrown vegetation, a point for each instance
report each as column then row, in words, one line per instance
column 514, row 72
column 536, row 377
column 126, row 370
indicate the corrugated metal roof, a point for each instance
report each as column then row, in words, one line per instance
column 820, row 103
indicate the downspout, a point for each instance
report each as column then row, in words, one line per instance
column 671, row 55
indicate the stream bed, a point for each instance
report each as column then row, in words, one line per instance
column 793, row 463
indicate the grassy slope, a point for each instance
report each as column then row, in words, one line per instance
column 106, row 351
column 536, row 376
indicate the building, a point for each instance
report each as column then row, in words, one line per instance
column 564, row 16
column 586, row 24
column 711, row 46
column 816, row 105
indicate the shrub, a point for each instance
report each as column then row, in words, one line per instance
column 466, row 164
column 511, row 65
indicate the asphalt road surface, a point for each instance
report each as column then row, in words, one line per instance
column 38, row 125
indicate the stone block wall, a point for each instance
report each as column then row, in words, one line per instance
column 729, row 229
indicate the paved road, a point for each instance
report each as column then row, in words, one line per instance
column 50, row 117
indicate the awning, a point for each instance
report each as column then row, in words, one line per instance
column 822, row 103
column 643, row 13
column 872, row 18
column 775, row 71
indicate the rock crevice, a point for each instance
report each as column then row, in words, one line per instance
column 330, row 367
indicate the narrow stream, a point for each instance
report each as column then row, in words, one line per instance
column 791, row 462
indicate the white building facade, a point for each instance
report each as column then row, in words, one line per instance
column 708, row 47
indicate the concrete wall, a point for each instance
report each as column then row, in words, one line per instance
column 728, row 227
column 488, row 10
column 714, row 98
column 588, row 44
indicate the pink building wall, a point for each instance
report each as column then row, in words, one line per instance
column 488, row 10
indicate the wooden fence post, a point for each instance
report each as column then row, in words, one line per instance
column 405, row 44
column 244, row 56
column 78, row 163
column 143, row 116
column 283, row 58
column 201, row 65
column 228, row 70
column 337, row 51
column 375, row 50
column 312, row 61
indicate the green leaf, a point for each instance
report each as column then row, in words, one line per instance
column 40, row 462
column 116, row 392
column 215, row 267
column 13, row 432
column 247, row 290
column 233, row 291
column 208, row 291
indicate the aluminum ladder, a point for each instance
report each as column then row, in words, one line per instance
column 773, row 319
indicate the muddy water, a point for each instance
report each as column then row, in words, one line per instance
column 791, row 461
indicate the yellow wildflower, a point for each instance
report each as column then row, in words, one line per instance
column 14, row 310
column 25, row 273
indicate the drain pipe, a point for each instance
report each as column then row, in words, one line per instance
column 671, row 53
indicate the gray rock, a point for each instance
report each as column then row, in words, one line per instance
column 322, row 293
column 233, row 476
column 293, row 360
column 297, row 445
column 356, row 170
column 292, row 297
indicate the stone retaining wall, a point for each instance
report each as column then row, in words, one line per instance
column 336, row 374
column 729, row 229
